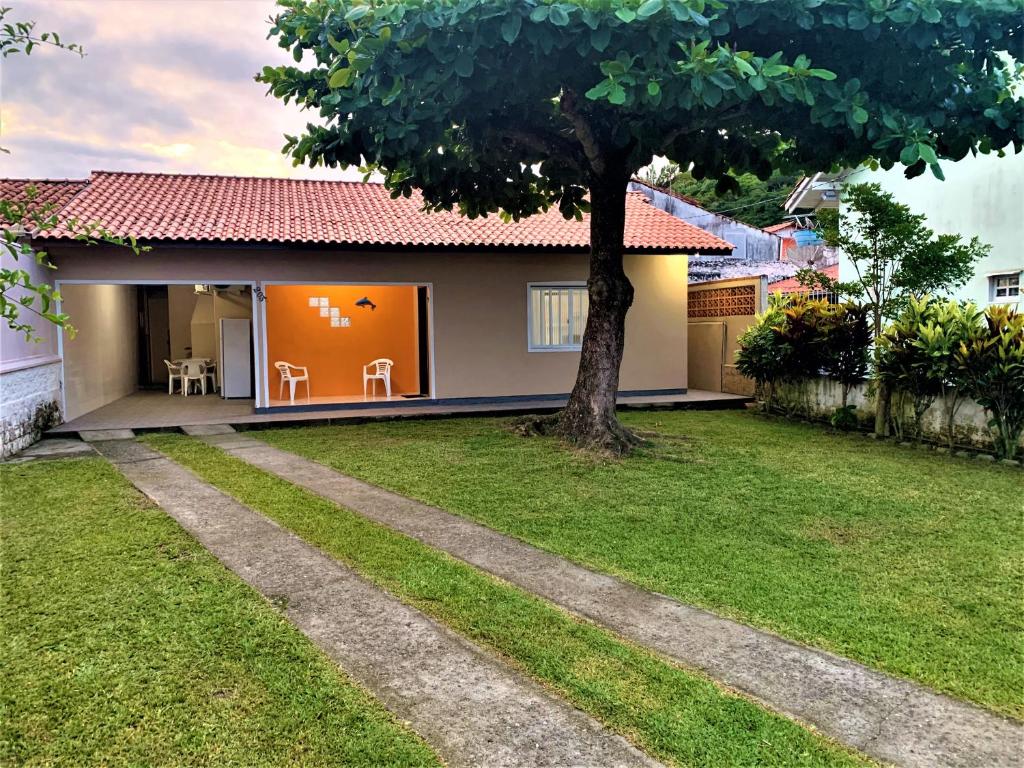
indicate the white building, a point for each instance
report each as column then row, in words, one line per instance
column 982, row 196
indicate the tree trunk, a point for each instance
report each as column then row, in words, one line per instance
column 883, row 398
column 589, row 419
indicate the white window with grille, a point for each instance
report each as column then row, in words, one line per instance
column 557, row 316
column 1004, row 288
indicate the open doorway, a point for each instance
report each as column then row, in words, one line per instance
column 131, row 337
column 335, row 331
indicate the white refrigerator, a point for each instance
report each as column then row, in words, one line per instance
column 235, row 357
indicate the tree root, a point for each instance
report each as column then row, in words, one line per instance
column 613, row 440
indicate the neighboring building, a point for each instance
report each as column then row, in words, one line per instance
column 982, row 196
column 791, row 285
column 757, row 252
column 468, row 309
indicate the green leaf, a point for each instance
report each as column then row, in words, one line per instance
column 617, row 95
column 510, row 27
column 464, row 64
column 599, row 91
column 926, row 153
column 910, row 154
column 653, row 88
column 600, row 38
column 341, row 78
column 540, row 13
column 357, row 12
column 340, row 47
column 822, row 74
column 758, row 83
column 860, row 115
column 743, row 67
column 857, row 20
column 649, row 8
column 626, row 14
column 558, row 16
column 937, row 172
column 932, row 15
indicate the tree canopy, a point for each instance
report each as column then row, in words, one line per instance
column 514, row 105
column 895, row 255
column 519, row 105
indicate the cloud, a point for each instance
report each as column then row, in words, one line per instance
column 164, row 86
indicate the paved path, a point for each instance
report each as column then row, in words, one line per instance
column 891, row 719
column 473, row 709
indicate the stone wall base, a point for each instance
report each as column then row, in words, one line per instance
column 29, row 405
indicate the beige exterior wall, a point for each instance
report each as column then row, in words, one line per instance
column 479, row 305
column 714, row 340
column 101, row 362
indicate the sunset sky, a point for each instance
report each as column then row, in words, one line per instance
column 166, row 85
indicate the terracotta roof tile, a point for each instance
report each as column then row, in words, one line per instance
column 50, row 194
column 792, row 285
column 164, row 207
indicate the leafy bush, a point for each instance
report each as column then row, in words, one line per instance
column 904, row 365
column 760, row 357
column 990, row 366
column 917, row 360
column 798, row 340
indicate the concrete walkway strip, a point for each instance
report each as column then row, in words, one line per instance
column 472, row 708
column 888, row 718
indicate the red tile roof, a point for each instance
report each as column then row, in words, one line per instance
column 792, row 285
column 165, row 207
column 776, row 228
column 50, row 195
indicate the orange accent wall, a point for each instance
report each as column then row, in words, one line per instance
column 335, row 356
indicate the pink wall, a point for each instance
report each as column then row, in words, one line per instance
column 15, row 351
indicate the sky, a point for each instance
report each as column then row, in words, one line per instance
column 165, row 86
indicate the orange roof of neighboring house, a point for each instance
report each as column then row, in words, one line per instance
column 792, row 285
column 776, row 228
column 155, row 207
column 50, row 194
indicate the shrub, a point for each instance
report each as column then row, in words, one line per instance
column 760, row 357
column 990, row 366
column 797, row 340
column 905, row 367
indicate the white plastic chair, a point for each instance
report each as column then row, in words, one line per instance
column 211, row 374
column 379, row 369
column 192, row 370
column 286, row 371
column 173, row 372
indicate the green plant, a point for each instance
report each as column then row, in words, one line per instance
column 488, row 106
column 905, row 368
column 895, row 257
column 990, row 365
column 844, row 417
column 847, row 343
column 760, row 357
column 937, row 343
column 798, row 340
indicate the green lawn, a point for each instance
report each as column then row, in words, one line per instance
column 905, row 560
column 673, row 714
column 126, row 643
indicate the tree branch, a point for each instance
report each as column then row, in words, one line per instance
column 591, row 146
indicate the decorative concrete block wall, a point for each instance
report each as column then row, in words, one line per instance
column 29, row 403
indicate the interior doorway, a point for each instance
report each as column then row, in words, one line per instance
column 154, row 336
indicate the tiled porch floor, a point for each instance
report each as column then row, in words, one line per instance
column 156, row 410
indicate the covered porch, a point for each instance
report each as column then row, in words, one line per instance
column 149, row 410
